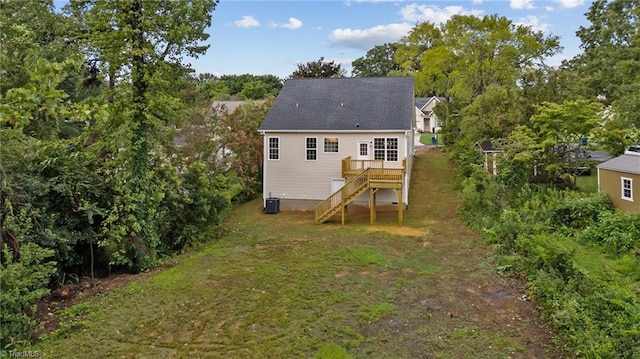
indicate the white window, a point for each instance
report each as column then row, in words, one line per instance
column 274, row 148
column 627, row 188
column 312, row 148
column 363, row 150
column 331, row 145
column 385, row 149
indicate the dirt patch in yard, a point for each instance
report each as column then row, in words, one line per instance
column 397, row 231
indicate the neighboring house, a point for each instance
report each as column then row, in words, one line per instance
column 226, row 106
column 329, row 142
column 620, row 179
column 490, row 156
column 217, row 107
column 426, row 119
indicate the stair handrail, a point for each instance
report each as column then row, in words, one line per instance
column 348, row 189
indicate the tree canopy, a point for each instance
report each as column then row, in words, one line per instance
column 318, row 69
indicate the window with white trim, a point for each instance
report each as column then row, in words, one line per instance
column 385, row 148
column 311, row 148
column 331, row 145
column 274, row 148
column 627, row 188
column 363, row 149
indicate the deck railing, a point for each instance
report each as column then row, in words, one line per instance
column 342, row 197
column 385, row 174
column 351, row 167
column 361, row 175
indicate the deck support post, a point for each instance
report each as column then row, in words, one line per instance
column 400, row 205
column 344, row 207
column 372, row 205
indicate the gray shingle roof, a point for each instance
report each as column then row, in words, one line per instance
column 343, row 104
column 421, row 101
column 627, row 163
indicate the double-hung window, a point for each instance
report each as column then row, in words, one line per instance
column 331, row 145
column 627, row 188
column 311, row 148
column 385, row 148
column 274, row 148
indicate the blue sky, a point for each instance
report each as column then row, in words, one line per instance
column 271, row 37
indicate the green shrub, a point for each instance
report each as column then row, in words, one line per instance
column 21, row 285
column 482, row 198
column 616, row 232
column 578, row 210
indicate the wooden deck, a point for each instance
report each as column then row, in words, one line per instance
column 362, row 175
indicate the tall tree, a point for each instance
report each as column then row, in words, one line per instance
column 489, row 51
column 318, row 69
column 378, row 62
column 494, row 114
column 611, row 58
column 136, row 43
column 559, row 127
column 421, row 38
column 29, row 31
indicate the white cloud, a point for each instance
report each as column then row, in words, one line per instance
column 521, row 4
column 550, row 8
column 292, row 24
column 434, row 14
column 246, row 22
column 368, row 38
column 570, row 4
column 477, row 2
column 533, row 22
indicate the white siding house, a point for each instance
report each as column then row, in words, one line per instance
column 315, row 124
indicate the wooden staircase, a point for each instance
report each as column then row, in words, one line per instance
column 342, row 197
column 367, row 178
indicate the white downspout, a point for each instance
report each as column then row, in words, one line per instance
column 264, row 169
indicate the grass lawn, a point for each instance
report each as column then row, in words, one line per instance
column 589, row 183
column 425, row 138
column 279, row 286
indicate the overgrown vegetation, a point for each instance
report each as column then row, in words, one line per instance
column 579, row 255
column 91, row 181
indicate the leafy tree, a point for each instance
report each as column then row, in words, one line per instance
column 488, row 51
column 253, row 90
column 409, row 53
column 231, row 143
column 29, row 31
column 559, row 128
column 493, row 114
column 233, row 85
column 318, row 69
column 518, row 163
column 610, row 58
column 136, row 43
column 377, row 62
column 217, row 90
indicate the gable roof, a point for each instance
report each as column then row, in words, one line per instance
column 487, row 147
column 422, row 101
column 343, row 104
column 628, row 163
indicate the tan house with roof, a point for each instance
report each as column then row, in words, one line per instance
column 620, row 179
column 426, row 119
